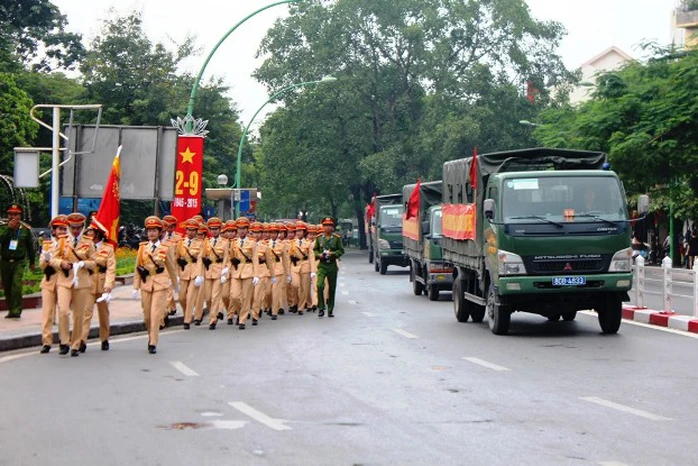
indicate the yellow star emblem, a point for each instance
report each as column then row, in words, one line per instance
column 187, row 155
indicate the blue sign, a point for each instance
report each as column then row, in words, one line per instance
column 85, row 205
column 244, row 201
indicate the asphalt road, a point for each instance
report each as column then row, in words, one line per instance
column 393, row 379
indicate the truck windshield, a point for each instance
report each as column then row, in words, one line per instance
column 391, row 216
column 581, row 199
column 436, row 224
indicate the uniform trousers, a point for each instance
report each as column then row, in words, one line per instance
column 212, row 288
column 187, row 298
column 261, row 291
column 277, row 294
column 154, row 304
column 103, row 315
column 71, row 298
column 48, row 314
column 246, row 295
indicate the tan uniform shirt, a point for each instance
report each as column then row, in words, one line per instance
column 189, row 252
column 105, row 273
column 152, row 261
column 215, row 250
column 67, row 250
column 244, row 250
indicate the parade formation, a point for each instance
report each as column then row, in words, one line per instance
column 235, row 270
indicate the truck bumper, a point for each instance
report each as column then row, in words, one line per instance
column 394, row 257
column 543, row 285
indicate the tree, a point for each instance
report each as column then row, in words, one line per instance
column 32, row 32
column 16, row 127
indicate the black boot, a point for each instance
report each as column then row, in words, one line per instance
column 63, row 349
column 45, row 349
column 105, row 345
column 254, row 322
column 321, row 313
column 230, row 321
column 74, row 353
column 151, row 349
column 186, row 326
column 330, row 314
column 83, row 347
column 220, row 316
column 241, row 326
column 212, row 326
column 281, row 312
column 274, row 317
column 197, row 322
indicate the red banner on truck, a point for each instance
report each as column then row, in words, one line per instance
column 458, row 221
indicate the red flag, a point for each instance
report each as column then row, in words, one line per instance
column 110, row 207
column 531, row 91
column 413, row 203
column 473, row 170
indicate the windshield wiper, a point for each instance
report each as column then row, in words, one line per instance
column 537, row 217
column 595, row 217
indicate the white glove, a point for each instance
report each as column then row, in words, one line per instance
column 223, row 279
column 273, row 280
column 75, row 274
column 105, row 298
column 255, row 281
column 135, row 294
column 198, row 281
column 178, row 282
column 313, row 275
column 47, row 256
column 80, row 265
column 288, row 279
column 225, row 271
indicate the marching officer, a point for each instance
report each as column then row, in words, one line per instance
column 281, row 267
column 229, row 232
column 151, row 279
column 212, row 268
column 188, row 252
column 49, row 298
column 103, row 279
column 328, row 248
column 245, row 263
column 16, row 247
column 202, row 234
column 263, row 270
column 73, row 256
column 171, row 239
column 291, row 288
column 303, row 268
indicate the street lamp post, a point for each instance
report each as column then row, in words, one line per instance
column 528, row 123
column 195, row 88
column 274, row 96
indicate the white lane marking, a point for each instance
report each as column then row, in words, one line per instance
column 344, row 292
column 486, row 364
column 625, row 409
column 276, row 424
column 227, row 425
column 369, row 314
column 650, row 326
column 342, row 284
column 211, row 414
column 404, row 333
column 12, row 357
column 351, row 301
column 612, row 463
column 181, row 367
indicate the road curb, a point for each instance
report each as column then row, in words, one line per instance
column 33, row 339
column 660, row 318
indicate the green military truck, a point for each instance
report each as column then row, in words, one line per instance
column 386, row 233
column 545, row 231
column 421, row 236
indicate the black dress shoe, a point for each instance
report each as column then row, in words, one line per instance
column 254, row 322
column 74, row 353
column 151, row 349
column 83, row 347
column 241, row 327
column 274, row 317
column 220, row 316
column 230, row 321
column 300, row 313
column 13, row 316
column 321, row 313
column 172, row 312
column 329, row 314
column 63, row 349
column 212, row 326
column 281, row 312
column 314, row 309
column 186, row 326
column 105, row 345
column 45, row 349
column 197, row 322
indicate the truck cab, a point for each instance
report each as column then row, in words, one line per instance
column 388, row 238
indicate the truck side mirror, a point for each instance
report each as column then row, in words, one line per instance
column 643, row 204
column 425, row 228
column 489, row 209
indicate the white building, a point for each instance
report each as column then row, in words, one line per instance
column 610, row 59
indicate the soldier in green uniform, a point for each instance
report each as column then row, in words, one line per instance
column 328, row 248
column 16, row 247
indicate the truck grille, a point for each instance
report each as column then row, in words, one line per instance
column 395, row 244
column 566, row 267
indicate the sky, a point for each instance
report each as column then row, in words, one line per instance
column 592, row 26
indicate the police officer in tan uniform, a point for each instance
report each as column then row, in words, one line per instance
column 282, row 270
column 263, row 270
column 292, row 287
column 171, row 238
column 49, row 295
column 229, row 232
column 244, row 262
column 152, row 279
column 202, row 234
column 212, row 267
column 303, row 267
column 187, row 258
column 103, row 278
column 73, row 256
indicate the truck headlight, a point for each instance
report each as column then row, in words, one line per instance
column 383, row 244
column 510, row 264
column 622, row 261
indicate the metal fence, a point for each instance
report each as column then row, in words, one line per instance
column 670, row 277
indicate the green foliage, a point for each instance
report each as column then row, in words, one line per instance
column 644, row 117
column 16, row 127
column 32, row 33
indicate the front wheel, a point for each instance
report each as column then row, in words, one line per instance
column 569, row 316
column 417, row 287
column 376, row 265
column 383, row 268
column 370, row 256
column 610, row 312
column 498, row 316
column 461, row 306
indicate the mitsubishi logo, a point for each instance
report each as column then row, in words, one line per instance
column 568, row 267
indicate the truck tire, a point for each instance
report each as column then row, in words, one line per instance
column 383, row 268
column 610, row 312
column 461, row 306
column 417, row 287
column 433, row 293
column 569, row 316
column 498, row 316
column 376, row 265
column 477, row 312
column 370, row 257
column 554, row 317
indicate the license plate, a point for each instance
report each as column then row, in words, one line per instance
column 569, row 281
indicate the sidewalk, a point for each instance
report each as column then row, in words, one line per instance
column 125, row 315
column 672, row 319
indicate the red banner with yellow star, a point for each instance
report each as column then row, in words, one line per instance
column 188, row 177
